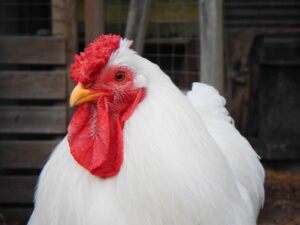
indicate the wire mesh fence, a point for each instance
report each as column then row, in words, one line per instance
column 172, row 37
column 31, row 17
column 24, row 17
column 116, row 12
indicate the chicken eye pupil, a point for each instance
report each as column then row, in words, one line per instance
column 120, row 76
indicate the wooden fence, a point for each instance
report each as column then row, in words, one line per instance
column 33, row 116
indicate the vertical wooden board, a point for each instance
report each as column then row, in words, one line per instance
column 72, row 43
column 94, row 19
column 16, row 215
column 17, row 189
column 27, row 154
column 59, row 20
column 33, row 85
column 32, row 50
column 33, row 119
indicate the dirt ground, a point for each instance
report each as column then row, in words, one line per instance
column 282, row 204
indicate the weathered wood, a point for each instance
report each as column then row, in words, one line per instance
column 32, row 50
column 71, row 30
column 278, row 105
column 137, row 23
column 167, row 41
column 271, row 150
column 280, row 63
column 71, row 11
column 33, row 120
column 260, row 4
column 17, row 215
column 25, row 154
column 59, row 21
column 94, row 19
column 33, row 85
column 271, row 12
column 211, row 46
column 17, row 189
column 258, row 23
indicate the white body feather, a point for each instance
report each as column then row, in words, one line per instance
column 180, row 168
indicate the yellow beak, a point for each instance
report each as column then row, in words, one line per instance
column 82, row 95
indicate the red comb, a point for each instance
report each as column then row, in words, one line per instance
column 94, row 57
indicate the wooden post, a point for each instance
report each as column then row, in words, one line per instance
column 94, row 19
column 211, row 43
column 72, row 43
column 137, row 23
column 64, row 23
column 71, row 29
column 59, row 19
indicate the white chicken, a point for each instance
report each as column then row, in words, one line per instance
column 139, row 152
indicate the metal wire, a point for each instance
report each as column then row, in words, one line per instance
column 30, row 17
column 172, row 38
column 116, row 16
column 173, row 29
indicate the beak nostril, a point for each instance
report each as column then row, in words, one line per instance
column 81, row 95
column 89, row 85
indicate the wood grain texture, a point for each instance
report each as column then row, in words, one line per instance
column 33, row 119
column 58, row 14
column 32, row 50
column 33, row 85
column 16, row 216
column 72, row 44
column 29, row 154
column 17, row 189
column 94, row 19
column 276, row 150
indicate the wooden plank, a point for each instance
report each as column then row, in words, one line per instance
column 72, row 42
column 17, row 189
column 71, row 30
column 259, row 23
column 281, row 63
column 266, row 13
column 211, row 38
column 25, row 154
column 94, row 19
column 32, row 50
column 260, row 4
column 33, row 85
column 137, row 23
column 167, row 41
column 59, row 22
column 280, row 150
column 16, row 216
column 33, row 119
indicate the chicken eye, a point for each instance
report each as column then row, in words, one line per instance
column 120, row 76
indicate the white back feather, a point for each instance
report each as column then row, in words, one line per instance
column 241, row 157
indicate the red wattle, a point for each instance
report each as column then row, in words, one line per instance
column 95, row 135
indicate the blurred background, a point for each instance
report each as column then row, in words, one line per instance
column 248, row 49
